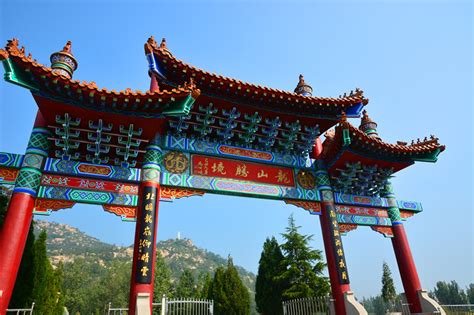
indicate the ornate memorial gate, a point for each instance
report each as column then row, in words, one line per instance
column 192, row 133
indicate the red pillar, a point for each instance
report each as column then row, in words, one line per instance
column 137, row 286
column 12, row 243
column 144, row 251
column 406, row 266
column 337, row 287
column 14, row 231
column 337, row 268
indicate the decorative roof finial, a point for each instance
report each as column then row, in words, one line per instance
column 302, row 88
column 63, row 62
column 368, row 126
column 163, row 43
column 67, row 47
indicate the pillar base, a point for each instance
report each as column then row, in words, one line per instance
column 143, row 304
column 428, row 305
column 352, row 306
column 331, row 306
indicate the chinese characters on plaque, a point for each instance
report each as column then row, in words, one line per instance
column 242, row 170
column 337, row 245
column 146, row 237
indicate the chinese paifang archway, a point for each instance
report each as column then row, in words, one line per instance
column 195, row 132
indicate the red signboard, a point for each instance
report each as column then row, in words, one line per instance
column 89, row 184
column 247, row 171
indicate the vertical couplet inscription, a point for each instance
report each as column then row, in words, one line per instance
column 147, row 236
column 340, row 259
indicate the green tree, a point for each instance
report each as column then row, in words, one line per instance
column 204, row 285
column 114, row 286
column 375, row 305
column 470, row 293
column 84, row 287
column 47, row 285
column 389, row 294
column 268, row 288
column 162, row 282
column 186, row 287
column 303, row 275
column 230, row 295
column 58, row 283
column 449, row 293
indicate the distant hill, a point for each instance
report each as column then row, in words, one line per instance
column 66, row 243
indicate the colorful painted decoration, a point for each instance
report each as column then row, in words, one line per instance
column 306, row 179
column 344, row 228
column 175, row 162
column 126, row 213
column 176, row 193
column 312, row 207
column 8, row 175
column 46, row 206
column 89, row 184
column 384, row 230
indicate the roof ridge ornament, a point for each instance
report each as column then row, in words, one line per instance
column 302, row 88
column 425, row 141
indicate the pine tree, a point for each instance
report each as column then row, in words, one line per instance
column 58, row 277
column 186, row 287
column 304, row 266
column 205, row 286
column 230, row 295
column 162, row 282
column 268, row 289
column 46, row 285
column 389, row 294
column 217, row 291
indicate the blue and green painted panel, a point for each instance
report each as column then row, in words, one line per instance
column 87, row 196
column 10, row 160
column 175, row 143
column 230, row 186
column 237, row 187
column 363, row 220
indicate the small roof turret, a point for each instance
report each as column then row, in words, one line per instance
column 302, row 88
column 368, row 126
column 63, row 62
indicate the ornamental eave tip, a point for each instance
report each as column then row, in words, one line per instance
column 3, row 55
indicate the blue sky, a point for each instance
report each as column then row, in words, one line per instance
column 413, row 59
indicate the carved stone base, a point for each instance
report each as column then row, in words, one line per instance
column 428, row 305
column 143, row 304
column 331, row 306
column 352, row 306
